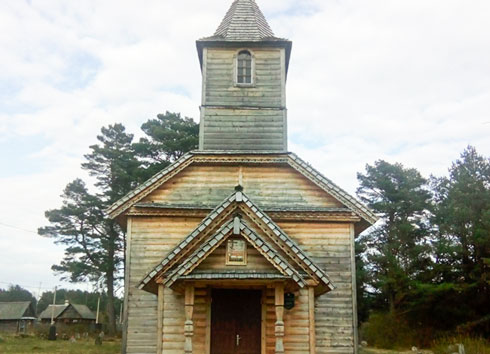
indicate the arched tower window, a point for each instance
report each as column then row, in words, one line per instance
column 244, row 67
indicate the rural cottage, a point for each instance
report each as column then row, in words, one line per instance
column 241, row 246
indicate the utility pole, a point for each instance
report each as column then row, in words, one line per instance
column 120, row 313
column 52, row 328
column 52, row 308
column 98, row 306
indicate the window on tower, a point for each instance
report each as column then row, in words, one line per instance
column 244, row 67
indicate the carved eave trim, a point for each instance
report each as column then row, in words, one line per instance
column 279, row 214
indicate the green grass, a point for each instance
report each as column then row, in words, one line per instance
column 31, row 345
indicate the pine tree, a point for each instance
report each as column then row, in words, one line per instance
column 396, row 248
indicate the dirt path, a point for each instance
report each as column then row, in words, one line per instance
column 384, row 351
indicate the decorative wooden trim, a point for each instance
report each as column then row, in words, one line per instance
column 209, row 301
column 354, row 290
column 263, row 322
column 160, row 319
column 311, row 310
column 189, row 323
column 203, row 88
column 279, row 328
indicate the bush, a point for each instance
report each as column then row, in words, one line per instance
column 471, row 345
column 384, row 330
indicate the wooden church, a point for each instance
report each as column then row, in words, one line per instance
column 241, row 247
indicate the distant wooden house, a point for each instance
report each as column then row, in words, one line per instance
column 68, row 314
column 241, row 247
column 17, row 317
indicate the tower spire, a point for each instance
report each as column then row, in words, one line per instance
column 244, row 22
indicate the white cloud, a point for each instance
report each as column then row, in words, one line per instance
column 405, row 81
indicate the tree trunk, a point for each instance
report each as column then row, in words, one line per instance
column 110, row 284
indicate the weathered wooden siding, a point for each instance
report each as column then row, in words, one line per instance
column 243, row 118
column 151, row 239
column 296, row 324
column 220, row 79
column 244, row 129
column 255, row 261
column 268, row 186
column 329, row 244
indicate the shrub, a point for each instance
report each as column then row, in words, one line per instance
column 384, row 330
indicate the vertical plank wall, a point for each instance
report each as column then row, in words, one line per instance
column 329, row 244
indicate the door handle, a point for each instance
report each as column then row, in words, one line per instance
column 238, row 340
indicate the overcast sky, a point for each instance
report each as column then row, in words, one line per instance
column 404, row 81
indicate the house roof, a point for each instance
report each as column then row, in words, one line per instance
column 82, row 310
column 222, row 211
column 14, row 310
column 290, row 159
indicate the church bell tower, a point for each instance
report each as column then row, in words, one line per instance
column 244, row 69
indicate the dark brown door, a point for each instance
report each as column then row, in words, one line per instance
column 235, row 321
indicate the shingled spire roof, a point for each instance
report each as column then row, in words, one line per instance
column 244, row 22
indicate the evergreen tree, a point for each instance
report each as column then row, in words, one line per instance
column 396, row 250
column 94, row 243
column 168, row 137
column 462, row 224
column 16, row 293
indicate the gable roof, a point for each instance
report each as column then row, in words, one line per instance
column 239, row 198
column 290, row 159
column 54, row 310
column 14, row 310
column 82, row 310
column 252, row 237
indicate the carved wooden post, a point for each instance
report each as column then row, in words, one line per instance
column 279, row 318
column 189, row 324
column 160, row 319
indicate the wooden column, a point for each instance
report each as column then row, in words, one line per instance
column 279, row 330
column 189, row 324
column 160, row 319
column 311, row 310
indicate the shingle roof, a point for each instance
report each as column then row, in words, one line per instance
column 252, row 237
column 288, row 245
column 244, row 22
column 13, row 310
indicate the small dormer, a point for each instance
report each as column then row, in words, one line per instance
column 244, row 69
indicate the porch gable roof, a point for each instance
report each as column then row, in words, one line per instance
column 241, row 202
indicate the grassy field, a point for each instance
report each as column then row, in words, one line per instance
column 30, row 345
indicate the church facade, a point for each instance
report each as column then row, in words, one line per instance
column 241, row 246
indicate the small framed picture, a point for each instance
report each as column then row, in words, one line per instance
column 236, row 252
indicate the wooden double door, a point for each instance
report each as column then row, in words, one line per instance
column 236, row 321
